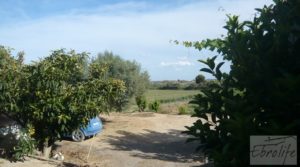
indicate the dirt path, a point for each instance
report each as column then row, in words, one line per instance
column 134, row 140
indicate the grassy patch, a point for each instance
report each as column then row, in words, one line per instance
column 176, row 108
column 171, row 101
column 167, row 96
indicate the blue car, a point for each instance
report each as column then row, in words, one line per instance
column 94, row 127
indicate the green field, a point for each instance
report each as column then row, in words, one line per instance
column 171, row 100
column 170, row 95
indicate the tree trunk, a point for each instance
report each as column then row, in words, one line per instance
column 46, row 149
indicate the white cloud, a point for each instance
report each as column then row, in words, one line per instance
column 178, row 63
column 182, row 61
column 143, row 36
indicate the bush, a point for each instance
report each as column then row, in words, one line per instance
column 25, row 146
column 15, row 142
column 141, row 102
column 199, row 79
column 260, row 95
column 182, row 110
column 154, row 106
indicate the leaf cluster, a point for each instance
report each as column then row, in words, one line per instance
column 57, row 94
column 261, row 93
column 136, row 80
column 154, row 106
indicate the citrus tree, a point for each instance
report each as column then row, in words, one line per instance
column 261, row 93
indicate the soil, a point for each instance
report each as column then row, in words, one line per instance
column 131, row 140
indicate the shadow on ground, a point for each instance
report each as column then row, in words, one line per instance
column 169, row 146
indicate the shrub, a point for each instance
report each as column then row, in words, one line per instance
column 154, row 106
column 260, row 95
column 199, row 79
column 15, row 142
column 141, row 102
column 25, row 146
column 182, row 110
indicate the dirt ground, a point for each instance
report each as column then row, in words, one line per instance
column 131, row 140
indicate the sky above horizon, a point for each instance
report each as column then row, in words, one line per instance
column 138, row 30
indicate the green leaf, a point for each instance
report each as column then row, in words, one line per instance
column 207, row 70
column 211, row 62
column 218, row 71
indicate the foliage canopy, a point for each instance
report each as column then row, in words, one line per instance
column 136, row 80
column 261, row 93
column 55, row 95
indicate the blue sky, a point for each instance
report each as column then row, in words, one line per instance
column 135, row 30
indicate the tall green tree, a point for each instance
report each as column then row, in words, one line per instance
column 10, row 75
column 136, row 80
column 55, row 95
column 261, row 94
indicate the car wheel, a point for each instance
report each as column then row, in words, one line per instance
column 78, row 135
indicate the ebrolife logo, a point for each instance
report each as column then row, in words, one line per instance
column 273, row 150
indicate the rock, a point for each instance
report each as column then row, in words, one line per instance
column 58, row 156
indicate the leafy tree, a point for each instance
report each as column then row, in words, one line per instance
column 55, row 95
column 199, row 79
column 10, row 74
column 136, row 80
column 261, row 93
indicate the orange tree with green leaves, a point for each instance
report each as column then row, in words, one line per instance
column 261, row 93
